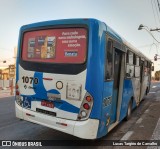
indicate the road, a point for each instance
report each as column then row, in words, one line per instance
column 141, row 126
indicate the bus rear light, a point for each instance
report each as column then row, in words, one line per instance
column 30, row 115
column 17, row 93
column 63, row 124
column 84, row 114
column 17, row 87
column 88, row 98
column 48, row 79
column 18, row 97
column 86, row 106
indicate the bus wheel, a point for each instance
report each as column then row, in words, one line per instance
column 129, row 110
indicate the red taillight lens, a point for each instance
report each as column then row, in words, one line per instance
column 86, row 106
column 88, row 98
column 17, row 92
column 17, row 86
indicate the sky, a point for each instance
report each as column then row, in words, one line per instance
column 123, row 16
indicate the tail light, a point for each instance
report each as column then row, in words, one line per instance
column 17, row 93
column 18, row 97
column 88, row 98
column 86, row 107
column 17, row 87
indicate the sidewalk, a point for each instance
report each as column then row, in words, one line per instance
column 6, row 92
column 147, row 127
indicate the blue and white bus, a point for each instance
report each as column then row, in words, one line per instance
column 78, row 76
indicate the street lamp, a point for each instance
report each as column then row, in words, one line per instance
column 141, row 26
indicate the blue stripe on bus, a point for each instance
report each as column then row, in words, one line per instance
column 62, row 105
column 41, row 94
column 65, row 106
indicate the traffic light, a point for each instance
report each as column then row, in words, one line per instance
column 155, row 58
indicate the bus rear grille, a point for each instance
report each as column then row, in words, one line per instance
column 45, row 112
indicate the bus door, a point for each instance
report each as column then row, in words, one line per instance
column 117, row 70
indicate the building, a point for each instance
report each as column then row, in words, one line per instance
column 8, row 73
column 4, row 74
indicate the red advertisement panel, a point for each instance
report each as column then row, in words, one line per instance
column 55, row 45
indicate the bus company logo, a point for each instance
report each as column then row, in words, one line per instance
column 71, row 54
column 25, row 86
column 6, row 143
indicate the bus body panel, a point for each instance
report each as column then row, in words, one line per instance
column 83, row 129
column 106, row 109
column 126, row 97
column 33, row 94
column 94, row 76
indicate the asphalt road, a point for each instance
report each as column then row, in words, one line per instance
column 12, row 128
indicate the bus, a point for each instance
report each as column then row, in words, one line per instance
column 78, row 76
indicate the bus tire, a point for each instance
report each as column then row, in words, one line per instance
column 129, row 110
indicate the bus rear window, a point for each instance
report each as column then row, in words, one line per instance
column 67, row 45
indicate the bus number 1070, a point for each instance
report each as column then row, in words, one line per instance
column 30, row 80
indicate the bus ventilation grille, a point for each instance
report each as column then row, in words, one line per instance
column 45, row 112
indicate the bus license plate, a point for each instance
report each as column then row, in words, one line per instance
column 47, row 104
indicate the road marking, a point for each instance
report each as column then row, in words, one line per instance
column 155, row 135
column 152, row 92
column 141, row 126
column 127, row 135
column 146, row 111
column 139, row 120
column 154, row 86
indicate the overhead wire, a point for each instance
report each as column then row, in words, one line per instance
column 153, row 12
column 158, row 5
column 147, row 45
column 156, row 46
column 157, row 11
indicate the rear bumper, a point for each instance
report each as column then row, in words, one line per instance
column 83, row 129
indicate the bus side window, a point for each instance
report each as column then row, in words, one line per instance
column 130, row 65
column 109, row 60
column 149, row 68
column 145, row 68
column 137, row 66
